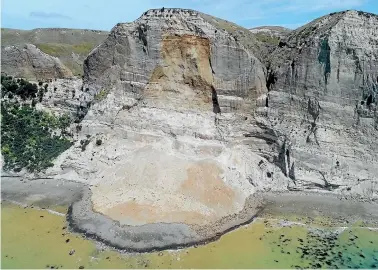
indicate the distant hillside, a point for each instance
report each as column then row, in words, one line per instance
column 270, row 34
column 71, row 46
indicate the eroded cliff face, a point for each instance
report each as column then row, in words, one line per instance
column 323, row 96
column 28, row 61
column 173, row 101
column 179, row 123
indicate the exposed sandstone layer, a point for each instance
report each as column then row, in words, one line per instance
column 29, row 62
column 323, row 96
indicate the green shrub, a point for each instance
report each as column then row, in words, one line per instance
column 267, row 38
column 101, row 95
column 29, row 137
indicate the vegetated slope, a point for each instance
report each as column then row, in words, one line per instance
column 30, row 138
column 71, row 46
column 323, row 94
column 270, row 34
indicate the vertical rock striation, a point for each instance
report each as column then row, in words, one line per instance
column 324, row 97
column 173, row 100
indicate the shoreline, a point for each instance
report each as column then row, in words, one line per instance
column 151, row 237
column 173, row 236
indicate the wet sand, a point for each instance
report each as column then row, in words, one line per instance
column 338, row 210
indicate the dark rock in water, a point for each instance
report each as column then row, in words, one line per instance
column 81, row 267
column 276, row 261
column 362, row 255
column 107, row 258
column 41, row 216
column 65, row 227
column 72, row 251
column 67, row 240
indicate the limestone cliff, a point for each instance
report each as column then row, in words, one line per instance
column 182, row 117
column 134, row 51
column 29, row 62
column 172, row 99
column 323, row 84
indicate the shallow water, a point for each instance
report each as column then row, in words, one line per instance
column 34, row 238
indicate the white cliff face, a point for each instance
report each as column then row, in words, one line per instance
column 179, row 124
column 172, row 99
column 324, row 97
column 29, row 62
column 133, row 51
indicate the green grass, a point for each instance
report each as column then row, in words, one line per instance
column 64, row 52
column 267, row 39
column 60, row 43
column 58, row 50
